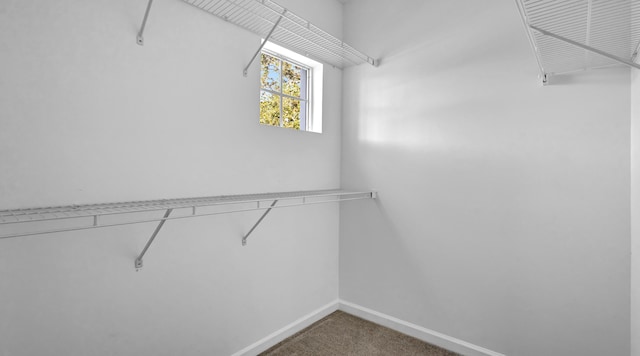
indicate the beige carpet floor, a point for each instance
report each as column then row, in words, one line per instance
column 342, row 334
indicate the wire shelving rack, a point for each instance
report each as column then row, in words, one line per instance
column 91, row 216
column 576, row 35
column 275, row 23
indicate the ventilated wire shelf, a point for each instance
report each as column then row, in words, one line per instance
column 609, row 26
column 82, row 217
column 293, row 32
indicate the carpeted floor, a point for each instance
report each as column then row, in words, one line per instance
column 342, row 334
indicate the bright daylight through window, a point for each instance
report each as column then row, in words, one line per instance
column 284, row 92
column 288, row 95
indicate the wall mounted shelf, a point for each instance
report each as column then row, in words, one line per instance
column 275, row 23
column 38, row 221
column 577, row 35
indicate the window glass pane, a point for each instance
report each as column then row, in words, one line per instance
column 270, row 72
column 291, row 75
column 269, row 109
column 291, row 113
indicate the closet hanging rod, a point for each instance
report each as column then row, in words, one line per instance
column 10, row 216
column 91, row 216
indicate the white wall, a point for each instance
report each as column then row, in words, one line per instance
column 635, row 214
column 503, row 210
column 88, row 116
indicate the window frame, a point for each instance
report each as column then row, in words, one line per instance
column 314, row 86
column 307, row 97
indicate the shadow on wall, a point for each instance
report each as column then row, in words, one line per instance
column 401, row 28
column 388, row 244
column 439, row 280
column 429, row 70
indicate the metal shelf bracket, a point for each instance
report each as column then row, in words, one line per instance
column 246, row 69
column 525, row 21
column 140, row 38
column 585, row 47
column 545, row 78
column 244, row 239
column 634, row 56
column 138, row 262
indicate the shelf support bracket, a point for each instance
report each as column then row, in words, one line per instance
column 244, row 239
column 588, row 48
column 246, row 69
column 140, row 39
column 532, row 42
column 635, row 53
column 545, row 78
column 138, row 262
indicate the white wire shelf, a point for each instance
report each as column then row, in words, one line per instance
column 289, row 30
column 82, row 217
column 576, row 35
column 91, row 216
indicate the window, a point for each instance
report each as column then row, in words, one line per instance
column 288, row 93
column 283, row 94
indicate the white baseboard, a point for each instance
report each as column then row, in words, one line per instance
column 285, row 332
column 424, row 334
